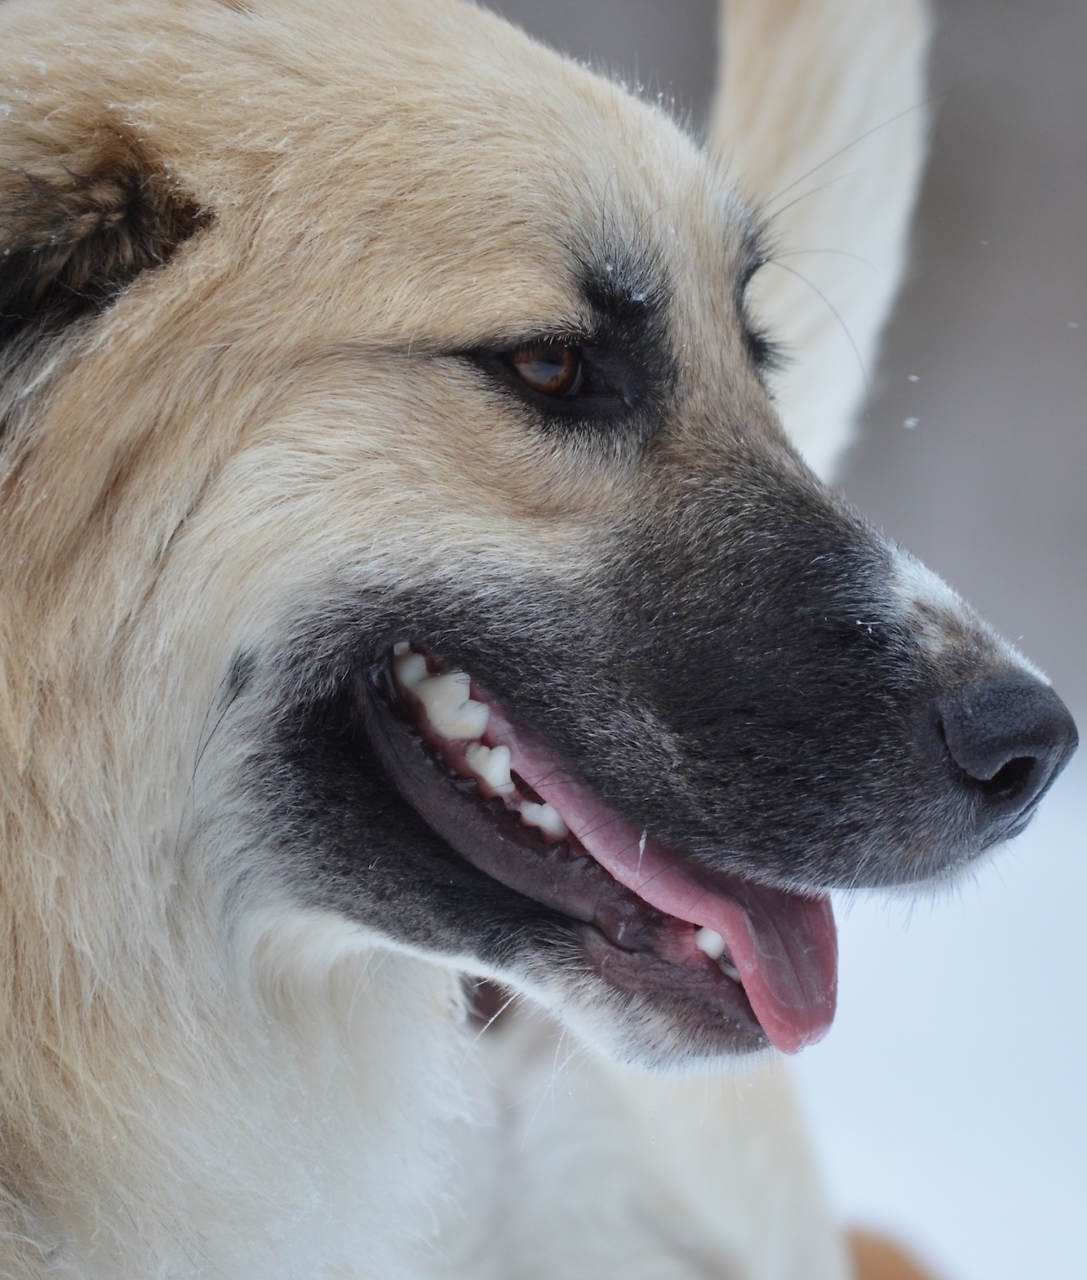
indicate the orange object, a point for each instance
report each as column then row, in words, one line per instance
column 877, row 1258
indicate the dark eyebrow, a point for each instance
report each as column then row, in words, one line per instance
column 625, row 291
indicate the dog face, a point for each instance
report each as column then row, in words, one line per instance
column 393, row 474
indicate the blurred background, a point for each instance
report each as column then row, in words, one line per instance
column 949, row 1105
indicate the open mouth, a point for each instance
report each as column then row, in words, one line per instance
column 651, row 919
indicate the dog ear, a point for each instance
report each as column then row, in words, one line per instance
column 820, row 118
column 77, row 225
column 77, row 228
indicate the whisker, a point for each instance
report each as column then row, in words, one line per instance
column 835, row 313
column 884, row 124
column 837, row 253
column 771, row 216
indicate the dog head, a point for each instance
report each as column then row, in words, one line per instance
column 399, row 528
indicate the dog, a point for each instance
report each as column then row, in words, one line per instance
column 407, row 577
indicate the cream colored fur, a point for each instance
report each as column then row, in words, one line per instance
column 822, row 117
column 191, row 1091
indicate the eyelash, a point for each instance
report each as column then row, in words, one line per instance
column 765, row 353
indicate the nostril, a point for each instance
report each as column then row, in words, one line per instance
column 1010, row 736
column 1009, row 779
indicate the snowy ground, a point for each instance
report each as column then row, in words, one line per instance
column 948, row 1102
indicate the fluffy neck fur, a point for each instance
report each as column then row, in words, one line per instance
column 271, row 1138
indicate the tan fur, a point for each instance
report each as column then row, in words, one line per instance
column 186, row 1093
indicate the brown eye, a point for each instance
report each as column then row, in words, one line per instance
column 548, row 368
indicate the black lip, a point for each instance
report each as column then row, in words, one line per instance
column 621, row 934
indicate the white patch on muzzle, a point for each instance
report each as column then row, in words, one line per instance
column 940, row 617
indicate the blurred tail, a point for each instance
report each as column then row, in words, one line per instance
column 876, row 1258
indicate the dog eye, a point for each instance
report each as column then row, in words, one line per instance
column 553, row 369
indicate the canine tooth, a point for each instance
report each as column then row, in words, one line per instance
column 546, row 817
column 492, row 766
column 401, row 648
column 711, row 942
column 450, row 710
column 450, row 689
column 465, row 722
column 443, row 694
column 410, row 669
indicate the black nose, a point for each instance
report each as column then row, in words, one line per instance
column 1010, row 736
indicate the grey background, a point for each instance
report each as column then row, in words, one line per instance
column 948, row 1103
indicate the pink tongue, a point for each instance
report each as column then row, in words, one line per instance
column 784, row 946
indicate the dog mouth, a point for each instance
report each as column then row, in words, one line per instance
column 650, row 918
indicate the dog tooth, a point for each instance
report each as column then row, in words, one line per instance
column 443, row 693
column 401, row 648
column 463, row 723
column 546, row 817
column 492, row 766
column 450, row 710
column 711, row 942
column 410, row 669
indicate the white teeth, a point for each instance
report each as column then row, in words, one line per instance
column 410, row 668
column 492, row 766
column 453, row 713
column 450, row 710
column 546, row 817
column 711, row 942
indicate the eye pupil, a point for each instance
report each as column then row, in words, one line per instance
column 548, row 368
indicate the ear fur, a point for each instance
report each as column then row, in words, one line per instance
column 73, row 238
column 75, row 230
column 821, row 119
